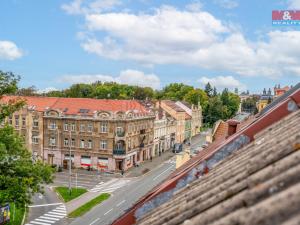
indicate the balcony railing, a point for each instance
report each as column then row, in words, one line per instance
column 119, row 152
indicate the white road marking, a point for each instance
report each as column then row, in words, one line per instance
column 46, row 221
column 108, row 211
column 32, row 206
column 56, row 216
column 94, row 221
column 110, row 186
column 58, row 210
column 50, row 217
column 120, row 203
column 59, row 214
column 162, row 173
column 40, row 223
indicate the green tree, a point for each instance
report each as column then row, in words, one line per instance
column 214, row 111
column 175, row 91
column 215, row 93
column 249, row 105
column 208, row 89
column 195, row 96
column 231, row 101
column 20, row 175
column 30, row 91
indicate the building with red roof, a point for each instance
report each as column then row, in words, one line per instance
column 101, row 133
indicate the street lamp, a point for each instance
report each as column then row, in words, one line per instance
column 70, row 164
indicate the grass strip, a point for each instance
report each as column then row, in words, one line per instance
column 17, row 216
column 66, row 196
column 89, row 205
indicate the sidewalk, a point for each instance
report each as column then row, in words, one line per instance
column 132, row 172
column 149, row 165
column 81, row 200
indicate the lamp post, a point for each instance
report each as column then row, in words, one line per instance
column 70, row 164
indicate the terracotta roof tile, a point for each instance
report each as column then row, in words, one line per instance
column 258, row 184
column 73, row 106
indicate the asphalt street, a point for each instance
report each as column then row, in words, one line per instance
column 42, row 205
column 124, row 198
column 124, row 193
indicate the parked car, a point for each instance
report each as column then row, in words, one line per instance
column 177, row 148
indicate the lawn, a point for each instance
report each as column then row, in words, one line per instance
column 64, row 193
column 19, row 213
column 89, row 205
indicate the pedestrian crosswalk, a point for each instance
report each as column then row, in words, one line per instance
column 50, row 217
column 110, row 186
column 171, row 161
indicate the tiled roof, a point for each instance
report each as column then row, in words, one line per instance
column 38, row 103
column 74, row 106
column 258, row 184
column 172, row 105
column 213, row 155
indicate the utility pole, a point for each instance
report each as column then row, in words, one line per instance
column 70, row 164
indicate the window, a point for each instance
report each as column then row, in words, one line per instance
column 103, row 127
column 90, row 127
column 52, row 141
column 16, row 121
column 119, row 130
column 66, row 142
column 119, row 146
column 82, row 127
column 35, row 139
column 82, row 144
column 35, row 122
column 52, row 125
column 73, row 142
column 66, row 126
column 23, row 121
column 90, row 144
column 73, row 127
column 129, row 143
column 103, row 144
column 10, row 120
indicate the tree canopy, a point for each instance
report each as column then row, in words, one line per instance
column 20, row 176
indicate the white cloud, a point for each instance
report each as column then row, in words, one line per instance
column 172, row 36
column 294, row 4
column 221, row 82
column 227, row 4
column 46, row 90
column 89, row 6
column 131, row 77
column 9, row 50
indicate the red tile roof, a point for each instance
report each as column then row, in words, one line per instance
column 72, row 106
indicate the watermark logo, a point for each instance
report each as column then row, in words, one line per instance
column 286, row 17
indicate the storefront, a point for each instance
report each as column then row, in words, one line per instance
column 85, row 161
column 102, row 164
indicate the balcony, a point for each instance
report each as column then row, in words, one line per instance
column 120, row 135
column 119, row 152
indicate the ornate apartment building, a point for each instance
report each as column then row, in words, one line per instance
column 104, row 134
column 188, row 118
column 164, row 132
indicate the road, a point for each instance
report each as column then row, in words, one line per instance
column 123, row 195
column 46, row 208
column 197, row 142
column 124, row 198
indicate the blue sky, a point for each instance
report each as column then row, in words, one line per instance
column 230, row 43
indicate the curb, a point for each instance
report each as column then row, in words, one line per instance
column 24, row 216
